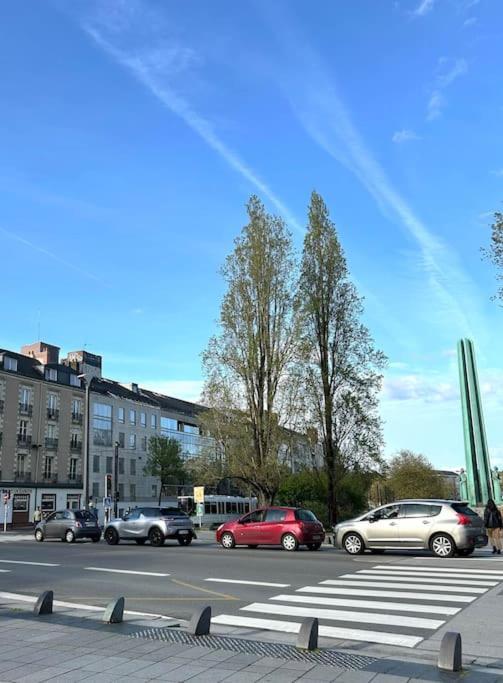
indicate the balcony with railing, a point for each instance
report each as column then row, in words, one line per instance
column 51, row 444
column 2, row 404
column 26, row 409
column 77, row 418
column 75, row 478
column 52, row 414
column 49, row 477
column 22, row 476
column 23, row 440
column 76, row 446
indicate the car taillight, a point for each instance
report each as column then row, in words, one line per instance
column 464, row 520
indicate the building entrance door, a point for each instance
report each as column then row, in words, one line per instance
column 21, row 509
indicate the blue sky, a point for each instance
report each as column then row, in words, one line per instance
column 133, row 132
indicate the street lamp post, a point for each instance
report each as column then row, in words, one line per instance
column 87, row 421
column 37, row 447
column 116, row 479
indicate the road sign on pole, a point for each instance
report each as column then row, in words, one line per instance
column 198, row 494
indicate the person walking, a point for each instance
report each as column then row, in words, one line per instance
column 493, row 524
column 37, row 516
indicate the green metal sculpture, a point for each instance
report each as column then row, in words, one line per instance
column 479, row 481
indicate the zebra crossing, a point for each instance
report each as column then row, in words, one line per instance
column 386, row 604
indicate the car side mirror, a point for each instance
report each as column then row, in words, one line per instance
column 372, row 518
column 125, row 518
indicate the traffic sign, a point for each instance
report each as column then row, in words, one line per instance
column 198, row 494
column 107, row 503
column 200, row 509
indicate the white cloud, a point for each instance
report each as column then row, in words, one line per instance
column 413, row 387
column 404, row 135
column 471, row 21
column 435, row 105
column 424, row 7
column 498, row 172
column 453, row 70
column 155, row 63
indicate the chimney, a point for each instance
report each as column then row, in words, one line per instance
column 44, row 353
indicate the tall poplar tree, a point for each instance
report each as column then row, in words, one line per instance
column 341, row 365
column 495, row 251
column 248, row 364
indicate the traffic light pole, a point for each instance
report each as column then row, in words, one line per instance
column 116, row 479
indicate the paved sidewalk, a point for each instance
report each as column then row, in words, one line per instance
column 72, row 645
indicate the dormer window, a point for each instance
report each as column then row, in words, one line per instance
column 51, row 374
column 10, row 363
column 74, row 381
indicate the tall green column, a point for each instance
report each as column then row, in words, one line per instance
column 478, row 468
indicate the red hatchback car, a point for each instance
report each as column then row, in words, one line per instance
column 289, row 527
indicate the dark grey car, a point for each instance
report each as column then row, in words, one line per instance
column 151, row 524
column 69, row 525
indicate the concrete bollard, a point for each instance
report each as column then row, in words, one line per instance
column 201, row 621
column 449, row 657
column 307, row 638
column 44, row 603
column 114, row 612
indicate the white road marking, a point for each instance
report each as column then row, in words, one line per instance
column 382, row 575
column 123, row 571
column 251, row 583
column 442, row 570
column 343, row 615
column 409, row 586
column 326, row 631
column 18, row 597
column 384, row 594
column 37, row 564
column 368, row 604
column 5, row 571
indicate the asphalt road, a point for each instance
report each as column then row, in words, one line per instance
column 174, row 581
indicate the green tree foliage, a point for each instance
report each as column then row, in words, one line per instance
column 341, row 366
column 164, row 461
column 249, row 364
column 495, row 251
column 411, row 475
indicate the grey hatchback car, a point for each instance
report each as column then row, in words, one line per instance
column 151, row 524
column 69, row 525
column 444, row 527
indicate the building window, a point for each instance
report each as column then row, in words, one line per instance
column 121, row 415
column 132, row 468
column 109, row 464
column 132, row 489
column 168, row 425
column 48, row 503
column 143, row 419
column 96, row 490
column 51, row 374
column 121, row 491
column 96, row 464
column 74, row 440
column 121, row 439
column 20, row 465
column 10, row 363
column 74, row 381
column 48, row 467
column 144, row 443
column 190, row 429
column 23, row 429
column 132, row 417
column 132, row 441
column 121, row 465
column 73, row 501
column 72, row 471
column 102, row 424
column 52, row 402
column 51, row 432
column 153, row 421
column 25, row 399
column 76, row 410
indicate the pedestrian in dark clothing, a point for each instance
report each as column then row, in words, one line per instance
column 493, row 524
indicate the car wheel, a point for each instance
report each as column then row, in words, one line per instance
column 39, row 536
column 289, row 542
column 377, row 551
column 353, row 544
column 253, row 546
column 95, row 539
column 185, row 541
column 466, row 552
column 442, row 545
column 140, row 541
column 69, row 536
column 227, row 540
column 156, row 537
column 313, row 546
column 111, row 536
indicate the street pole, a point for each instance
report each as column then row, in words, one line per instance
column 87, row 422
column 116, row 479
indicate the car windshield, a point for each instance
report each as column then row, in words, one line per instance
column 172, row 512
column 84, row 515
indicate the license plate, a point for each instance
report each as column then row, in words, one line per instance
column 90, row 524
column 183, row 532
column 481, row 539
column 316, row 538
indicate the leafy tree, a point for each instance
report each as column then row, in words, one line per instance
column 495, row 251
column 249, row 364
column 164, row 461
column 411, row 475
column 340, row 363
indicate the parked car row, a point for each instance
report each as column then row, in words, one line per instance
column 444, row 527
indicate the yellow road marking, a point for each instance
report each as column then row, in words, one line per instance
column 222, row 596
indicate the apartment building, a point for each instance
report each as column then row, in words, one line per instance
column 41, row 431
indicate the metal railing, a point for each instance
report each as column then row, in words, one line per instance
column 24, row 440
column 50, row 478
column 76, row 446
column 26, row 409
column 77, row 418
column 51, row 444
column 22, row 476
column 52, row 414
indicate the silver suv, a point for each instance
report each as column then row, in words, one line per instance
column 443, row 526
column 151, row 524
